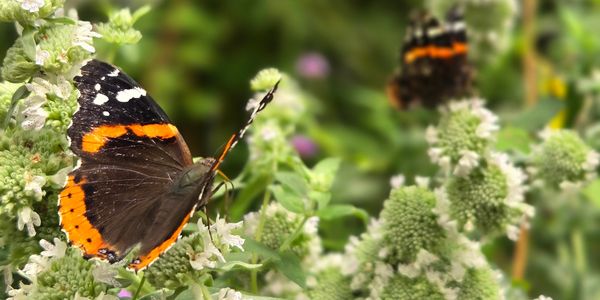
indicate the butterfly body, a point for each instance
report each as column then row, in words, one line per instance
column 136, row 185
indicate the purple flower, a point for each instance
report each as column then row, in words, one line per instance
column 312, row 65
column 124, row 294
column 304, row 146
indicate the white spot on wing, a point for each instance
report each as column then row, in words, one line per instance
column 105, row 113
column 126, row 95
column 97, row 87
column 102, row 78
column 100, row 99
column 114, row 73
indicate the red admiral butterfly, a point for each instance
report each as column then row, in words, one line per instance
column 434, row 66
column 135, row 183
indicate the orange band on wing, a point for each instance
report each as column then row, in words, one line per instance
column 436, row 52
column 80, row 231
column 145, row 260
column 94, row 140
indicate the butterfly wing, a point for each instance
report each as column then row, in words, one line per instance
column 434, row 64
column 130, row 154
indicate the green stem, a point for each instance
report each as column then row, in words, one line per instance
column 205, row 292
column 139, row 289
column 578, row 244
column 258, row 236
column 288, row 241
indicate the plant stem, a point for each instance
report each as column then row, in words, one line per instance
column 139, row 289
column 286, row 244
column 205, row 292
column 257, row 237
column 531, row 97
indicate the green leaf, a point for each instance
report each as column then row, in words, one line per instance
column 28, row 42
column 187, row 294
column 538, row 116
column 592, row 192
column 322, row 199
column 251, row 245
column 162, row 294
column 342, row 210
column 513, row 138
column 231, row 265
column 140, row 12
column 293, row 181
column 290, row 266
column 63, row 20
column 288, row 199
column 243, row 201
column 328, row 165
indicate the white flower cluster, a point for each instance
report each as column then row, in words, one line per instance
column 461, row 139
column 222, row 240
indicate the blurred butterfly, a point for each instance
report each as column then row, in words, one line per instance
column 434, row 66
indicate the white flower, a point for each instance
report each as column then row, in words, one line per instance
column 29, row 218
column 397, row 181
column 311, row 226
column 210, row 254
column 466, row 163
column 542, row 297
column 435, row 154
column 545, row 133
column 252, row 104
column 268, row 133
column 105, row 273
column 422, row 181
column 41, row 56
column 409, row 270
column 35, row 265
column 431, row 135
column 223, row 230
column 58, row 249
column 32, row 6
column 34, row 115
column 34, row 184
column 591, row 161
column 229, row 294
column 84, row 36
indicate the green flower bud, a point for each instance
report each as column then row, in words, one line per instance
column 17, row 65
column 403, row 288
column 119, row 28
column 330, row 284
column 563, row 159
column 173, row 269
column 26, row 159
column 409, row 224
column 462, row 136
column 479, row 284
column 279, row 225
column 27, row 11
column 62, row 48
column 265, row 79
column 490, row 198
column 66, row 277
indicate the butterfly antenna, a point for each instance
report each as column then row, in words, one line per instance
column 240, row 133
